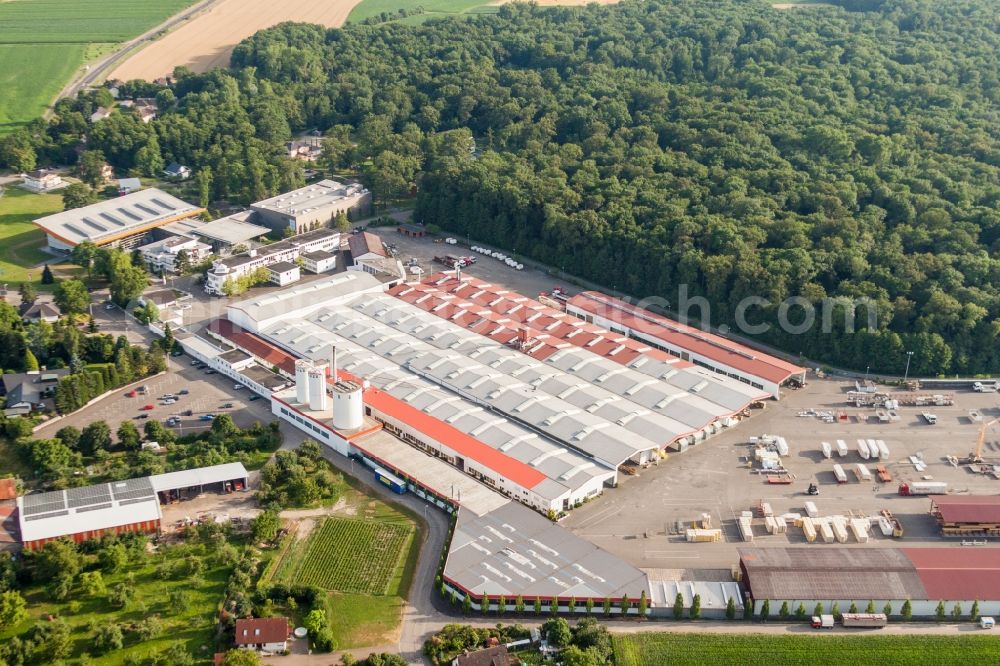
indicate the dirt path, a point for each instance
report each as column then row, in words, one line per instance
column 207, row 41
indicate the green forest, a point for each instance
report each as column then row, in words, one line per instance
column 847, row 152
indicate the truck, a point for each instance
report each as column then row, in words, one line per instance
column 838, row 472
column 883, row 474
column 822, row 622
column 863, row 449
column 394, row 483
column 827, row 449
column 871, row 620
column 986, row 623
column 914, row 488
column 930, row 418
column 986, row 387
column 841, row 448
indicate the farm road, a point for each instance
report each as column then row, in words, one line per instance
column 95, row 73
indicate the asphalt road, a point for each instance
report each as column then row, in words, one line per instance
column 96, row 71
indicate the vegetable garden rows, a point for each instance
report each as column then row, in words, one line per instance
column 350, row 555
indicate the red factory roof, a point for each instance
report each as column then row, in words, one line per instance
column 253, row 344
column 463, row 444
column 500, row 314
column 968, row 509
column 717, row 348
column 947, row 573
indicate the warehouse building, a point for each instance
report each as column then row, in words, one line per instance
column 90, row 512
column 711, row 351
column 117, row 507
column 922, row 576
column 699, row 401
column 312, row 206
column 125, row 222
column 967, row 515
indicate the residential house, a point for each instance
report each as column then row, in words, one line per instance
column 100, row 114
column 42, row 180
column 41, row 311
column 307, row 150
column 29, row 391
column 147, row 108
column 269, row 634
column 492, row 656
column 162, row 255
column 177, row 171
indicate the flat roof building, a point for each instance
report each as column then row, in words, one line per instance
column 712, row 351
column 122, row 222
column 311, row 206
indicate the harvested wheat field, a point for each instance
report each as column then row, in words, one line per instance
column 206, row 40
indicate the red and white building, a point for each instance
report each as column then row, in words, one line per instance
column 688, row 343
column 267, row 634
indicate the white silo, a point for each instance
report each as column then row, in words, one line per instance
column 317, row 387
column 348, row 408
column 302, row 367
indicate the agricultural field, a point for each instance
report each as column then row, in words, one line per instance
column 21, row 241
column 649, row 649
column 361, row 619
column 44, row 42
column 207, row 39
column 352, row 555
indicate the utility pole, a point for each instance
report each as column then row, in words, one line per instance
column 906, row 374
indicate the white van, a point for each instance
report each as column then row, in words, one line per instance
column 986, row 622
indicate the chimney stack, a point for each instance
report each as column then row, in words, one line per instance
column 333, row 363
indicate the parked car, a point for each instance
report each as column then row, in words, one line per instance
column 187, row 412
column 206, row 417
column 183, row 391
column 227, row 405
column 143, row 390
column 147, row 408
column 195, row 362
column 142, row 416
column 254, row 397
column 237, row 387
column 210, row 372
column 131, row 394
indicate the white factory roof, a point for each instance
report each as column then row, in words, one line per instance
column 199, row 476
column 232, row 230
column 714, row 595
column 307, row 199
column 514, row 551
column 121, row 216
column 500, row 396
column 297, row 302
column 75, row 510
column 565, row 468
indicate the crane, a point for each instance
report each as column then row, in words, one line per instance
column 977, row 455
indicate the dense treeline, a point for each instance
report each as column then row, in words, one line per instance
column 845, row 152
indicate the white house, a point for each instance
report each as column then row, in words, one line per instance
column 177, row 171
column 320, row 261
column 266, row 634
column 42, row 180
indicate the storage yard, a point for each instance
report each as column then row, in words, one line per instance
column 717, row 481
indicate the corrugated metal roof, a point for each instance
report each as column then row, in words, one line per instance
column 968, row 508
column 199, row 476
column 709, row 345
column 950, row 574
column 830, row 573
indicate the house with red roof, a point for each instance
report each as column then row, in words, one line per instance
column 267, row 634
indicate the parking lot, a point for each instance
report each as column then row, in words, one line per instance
column 207, row 394
column 636, row 520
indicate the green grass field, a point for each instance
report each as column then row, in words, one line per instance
column 651, row 649
column 44, row 42
column 20, row 241
column 432, row 9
